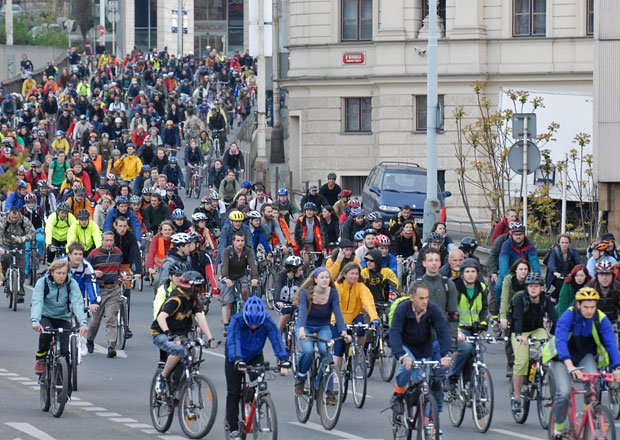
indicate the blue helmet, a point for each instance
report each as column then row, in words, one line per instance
column 121, row 199
column 246, row 184
column 359, row 236
column 310, row 205
column 254, row 311
column 172, row 159
column 283, row 192
column 357, row 212
column 178, row 214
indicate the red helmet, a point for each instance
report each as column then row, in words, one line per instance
column 382, row 240
column 346, row 193
column 353, row 203
column 604, row 266
column 170, row 186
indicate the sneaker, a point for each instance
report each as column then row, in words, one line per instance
column 39, row 366
column 331, row 398
column 20, row 300
column 234, row 435
column 111, row 352
column 397, row 404
column 161, row 385
column 515, row 404
column 90, row 346
column 129, row 334
column 509, row 371
column 299, row 387
column 225, row 331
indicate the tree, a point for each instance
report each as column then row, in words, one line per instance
column 83, row 13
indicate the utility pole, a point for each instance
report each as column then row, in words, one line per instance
column 261, row 79
column 431, row 204
column 180, row 30
column 276, row 63
column 9, row 22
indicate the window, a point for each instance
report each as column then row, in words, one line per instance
column 590, row 17
column 358, row 115
column 529, row 18
column 441, row 9
column 356, row 20
column 420, row 113
column 354, row 183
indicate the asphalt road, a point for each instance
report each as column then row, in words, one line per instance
column 112, row 401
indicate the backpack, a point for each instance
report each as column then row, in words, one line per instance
column 548, row 254
column 393, row 307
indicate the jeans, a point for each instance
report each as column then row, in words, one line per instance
column 162, row 342
column 40, row 246
column 438, row 375
column 463, row 357
column 404, row 376
column 563, row 381
column 307, row 348
column 339, row 344
column 233, row 389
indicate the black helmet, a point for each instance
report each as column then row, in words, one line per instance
column 534, row 278
column 468, row 244
column 470, row 262
column 177, row 269
column 192, row 281
column 435, row 237
column 83, row 214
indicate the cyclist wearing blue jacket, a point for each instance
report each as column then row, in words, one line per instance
column 234, row 224
column 247, row 333
column 254, row 219
column 122, row 208
column 516, row 247
column 584, row 339
column 17, row 197
column 84, row 274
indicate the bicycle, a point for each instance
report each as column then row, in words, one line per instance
column 417, row 398
column 324, row 385
column 355, row 370
column 216, row 141
column 267, row 278
column 596, row 422
column 122, row 317
column 379, row 349
column 257, row 412
column 13, row 279
column 538, row 386
column 477, row 392
column 33, row 256
column 54, row 382
column 195, row 180
column 290, row 339
column 193, row 393
column 613, row 394
column 240, row 294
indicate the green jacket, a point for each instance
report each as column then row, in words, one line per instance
column 56, row 303
column 474, row 310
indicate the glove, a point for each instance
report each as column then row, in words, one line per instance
column 285, row 364
column 376, row 323
column 169, row 334
column 240, row 365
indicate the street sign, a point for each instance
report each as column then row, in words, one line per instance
column 354, row 58
column 517, row 125
column 515, row 157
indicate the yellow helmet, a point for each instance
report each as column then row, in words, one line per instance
column 587, row 293
column 236, row 216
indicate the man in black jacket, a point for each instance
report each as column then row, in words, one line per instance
column 131, row 262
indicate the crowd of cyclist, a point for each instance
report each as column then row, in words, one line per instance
column 99, row 197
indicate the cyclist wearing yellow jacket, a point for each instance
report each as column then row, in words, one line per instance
column 84, row 231
column 354, row 296
column 131, row 165
column 56, row 229
column 380, row 280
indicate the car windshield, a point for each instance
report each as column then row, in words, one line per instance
column 405, row 182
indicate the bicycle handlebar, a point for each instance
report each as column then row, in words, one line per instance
column 591, row 377
column 486, row 338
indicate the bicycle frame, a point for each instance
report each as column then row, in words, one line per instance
column 425, row 366
column 260, row 390
column 587, row 421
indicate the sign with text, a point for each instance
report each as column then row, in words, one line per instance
column 354, row 58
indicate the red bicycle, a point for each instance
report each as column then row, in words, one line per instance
column 596, row 422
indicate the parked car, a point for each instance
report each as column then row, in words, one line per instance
column 391, row 185
column 17, row 9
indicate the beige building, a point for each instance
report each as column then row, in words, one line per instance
column 356, row 85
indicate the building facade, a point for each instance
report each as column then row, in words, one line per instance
column 356, row 84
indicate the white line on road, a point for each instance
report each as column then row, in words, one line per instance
column 123, row 420
column 102, row 350
column 94, row 408
column 72, row 403
column 108, row 414
column 172, row 437
column 149, row 431
column 30, row 383
column 3, row 370
column 515, row 434
column 138, row 425
column 8, row 374
column 214, row 353
column 334, row 432
column 27, row 428
column 19, row 378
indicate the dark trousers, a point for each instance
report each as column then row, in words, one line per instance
column 233, row 389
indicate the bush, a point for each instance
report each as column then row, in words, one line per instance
column 23, row 23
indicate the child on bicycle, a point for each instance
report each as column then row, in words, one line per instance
column 285, row 289
column 247, row 333
column 175, row 318
column 584, row 341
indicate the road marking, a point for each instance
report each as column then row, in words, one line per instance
column 30, row 383
column 515, row 434
column 7, row 374
column 214, row 353
column 27, row 428
column 123, row 420
column 102, row 350
column 94, row 408
column 35, row 387
column 72, row 403
column 138, row 425
column 3, row 370
column 172, row 437
column 19, row 378
column 108, row 414
column 150, row 431
column 334, row 432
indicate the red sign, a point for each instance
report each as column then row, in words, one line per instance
column 354, row 58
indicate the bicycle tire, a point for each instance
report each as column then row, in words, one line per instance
column 483, row 401
column 73, row 348
column 387, row 363
column 44, row 389
column 161, row 408
column 59, row 388
column 425, row 430
column 519, row 416
column 400, row 429
column 372, row 351
column 34, row 266
column 265, row 418
column 603, row 423
column 544, row 397
column 292, row 349
column 303, row 403
column 121, row 333
column 204, row 392
column 457, row 407
column 345, row 378
column 269, row 293
column 13, row 286
column 331, row 381
column 359, row 380
column 197, row 185
column 613, row 399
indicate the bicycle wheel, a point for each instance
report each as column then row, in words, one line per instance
column 520, row 415
column 197, row 186
column 73, row 349
column 197, row 407
column 602, row 426
column 483, row 401
column 330, row 398
column 456, row 404
column 34, row 266
column 400, row 428
column 387, row 363
column 162, row 408
column 59, row 386
column 428, row 424
column 265, row 425
column 303, row 403
column 139, row 283
column 44, row 390
column 613, row 398
column 544, row 397
column 121, row 334
column 345, row 377
column 269, row 295
column 14, row 282
column 292, row 349
column 372, row 353
column 359, row 381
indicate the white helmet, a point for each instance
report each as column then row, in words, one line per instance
column 253, row 214
column 180, row 239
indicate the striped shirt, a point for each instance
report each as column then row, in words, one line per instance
column 108, row 262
